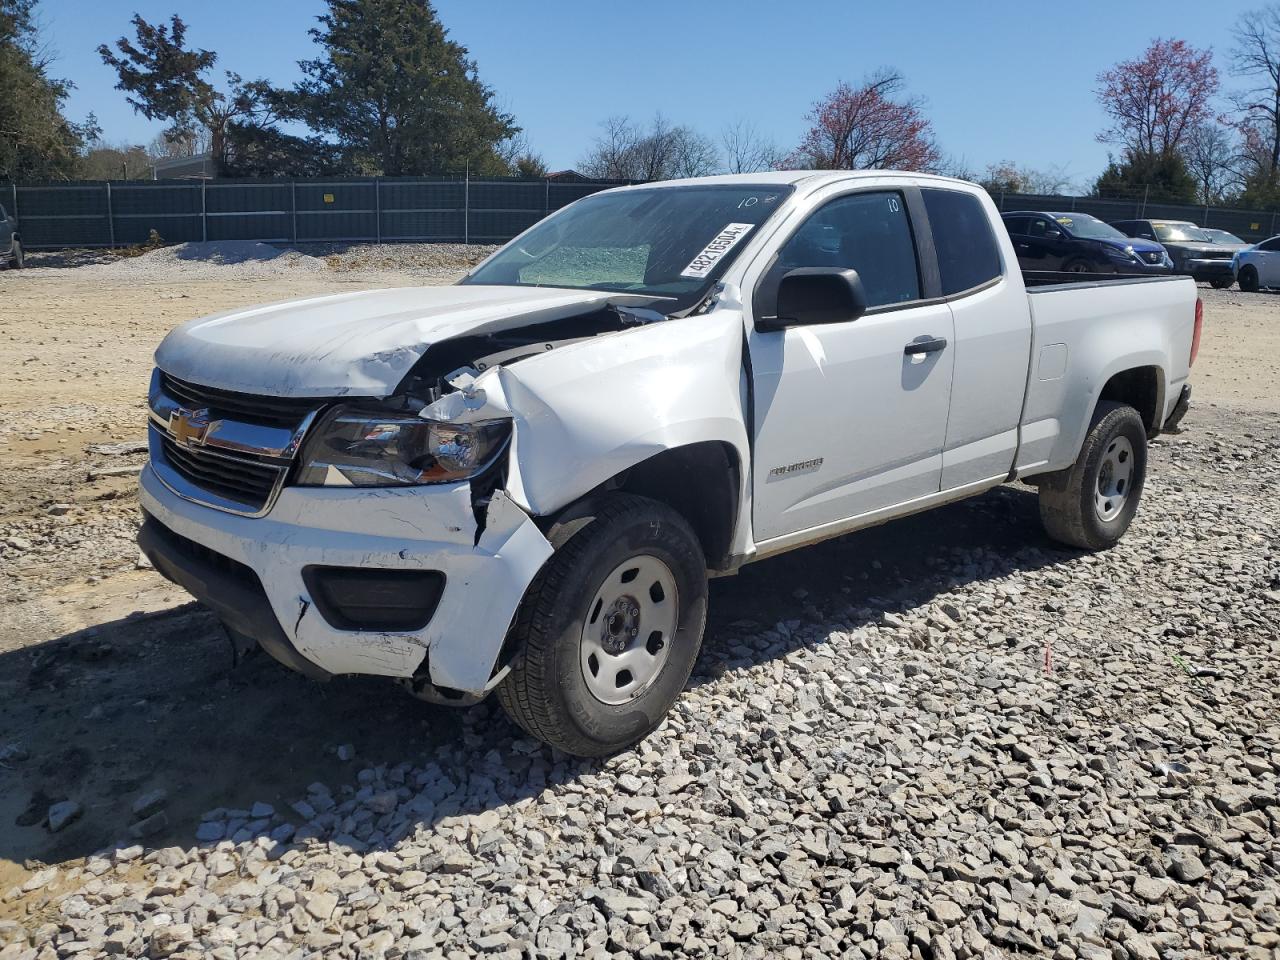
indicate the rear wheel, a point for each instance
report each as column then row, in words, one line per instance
column 1249, row 279
column 1222, row 283
column 19, row 258
column 610, row 629
column 1091, row 504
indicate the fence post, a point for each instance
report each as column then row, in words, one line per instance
column 1146, row 195
column 466, row 206
column 546, row 196
column 1273, row 225
column 293, row 208
column 377, row 207
column 1073, row 204
column 204, row 212
column 111, row 220
column 15, row 199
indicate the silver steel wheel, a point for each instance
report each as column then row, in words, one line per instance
column 1115, row 475
column 630, row 626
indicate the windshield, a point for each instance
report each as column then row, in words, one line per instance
column 1089, row 228
column 1180, row 231
column 664, row 242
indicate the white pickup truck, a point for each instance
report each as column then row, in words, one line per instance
column 522, row 482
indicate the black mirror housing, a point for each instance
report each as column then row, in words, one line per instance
column 812, row 295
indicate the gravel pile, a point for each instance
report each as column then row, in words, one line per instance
column 1033, row 751
column 251, row 260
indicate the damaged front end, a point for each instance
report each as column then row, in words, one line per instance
column 383, row 502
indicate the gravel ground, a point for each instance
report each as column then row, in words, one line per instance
column 942, row 737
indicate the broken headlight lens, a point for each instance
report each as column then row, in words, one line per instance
column 362, row 449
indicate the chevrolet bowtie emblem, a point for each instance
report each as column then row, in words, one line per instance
column 190, row 427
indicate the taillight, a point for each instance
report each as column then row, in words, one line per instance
column 1195, row 336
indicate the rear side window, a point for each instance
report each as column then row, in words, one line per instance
column 1271, row 246
column 1016, row 225
column 870, row 232
column 968, row 255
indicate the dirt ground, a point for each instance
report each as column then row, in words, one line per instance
column 112, row 683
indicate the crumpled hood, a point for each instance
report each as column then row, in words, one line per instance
column 352, row 344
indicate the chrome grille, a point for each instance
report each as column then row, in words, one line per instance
column 246, row 481
column 227, row 450
column 287, row 412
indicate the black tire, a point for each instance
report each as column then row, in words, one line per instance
column 1069, row 506
column 1221, row 284
column 1078, row 266
column 19, row 259
column 547, row 692
column 1249, row 279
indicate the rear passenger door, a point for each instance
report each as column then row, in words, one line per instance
column 1047, row 244
column 992, row 338
column 849, row 419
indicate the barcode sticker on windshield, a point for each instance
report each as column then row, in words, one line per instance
column 723, row 242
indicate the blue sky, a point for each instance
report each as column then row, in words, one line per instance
column 1004, row 79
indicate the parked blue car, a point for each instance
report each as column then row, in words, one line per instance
column 1079, row 243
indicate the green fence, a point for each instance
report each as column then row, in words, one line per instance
column 373, row 210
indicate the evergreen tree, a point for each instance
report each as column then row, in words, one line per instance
column 397, row 95
column 36, row 140
column 1162, row 176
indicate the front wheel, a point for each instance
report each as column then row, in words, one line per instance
column 1091, row 504
column 609, row 630
column 1249, row 279
column 1078, row 266
column 1222, row 283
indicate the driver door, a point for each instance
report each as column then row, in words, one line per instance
column 848, row 418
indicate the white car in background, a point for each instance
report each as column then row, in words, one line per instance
column 1258, row 266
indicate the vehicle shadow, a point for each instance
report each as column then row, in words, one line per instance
column 107, row 714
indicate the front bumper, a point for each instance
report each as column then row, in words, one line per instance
column 1208, row 270
column 415, row 528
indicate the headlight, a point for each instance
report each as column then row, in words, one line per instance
column 360, row 448
column 1127, row 254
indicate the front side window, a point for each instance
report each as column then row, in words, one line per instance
column 868, row 232
column 1270, row 246
column 967, row 252
column 1041, row 228
column 670, row 243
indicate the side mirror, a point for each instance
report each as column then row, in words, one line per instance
column 1053, row 234
column 810, row 295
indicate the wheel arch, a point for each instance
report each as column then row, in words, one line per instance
column 702, row 481
column 1141, row 387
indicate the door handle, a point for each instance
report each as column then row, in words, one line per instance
column 925, row 345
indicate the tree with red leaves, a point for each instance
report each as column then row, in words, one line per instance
column 1157, row 99
column 868, row 127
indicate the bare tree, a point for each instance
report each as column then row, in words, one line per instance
column 1211, row 155
column 624, row 151
column 1053, row 181
column 1257, row 56
column 612, row 155
column 746, row 150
